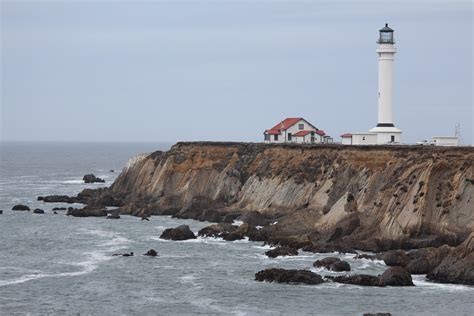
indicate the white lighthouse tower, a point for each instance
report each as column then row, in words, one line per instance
column 385, row 129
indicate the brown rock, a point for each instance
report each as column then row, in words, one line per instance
column 288, row 276
column 396, row 276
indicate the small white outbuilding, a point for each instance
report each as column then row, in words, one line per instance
column 445, row 141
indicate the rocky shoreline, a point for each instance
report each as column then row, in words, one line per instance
column 415, row 200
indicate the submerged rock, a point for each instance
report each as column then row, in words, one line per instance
column 91, row 178
column 282, row 251
column 60, row 199
column 123, row 254
column 179, row 233
column 288, row 276
column 396, row 276
column 151, row 253
column 20, row 207
column 38, row 211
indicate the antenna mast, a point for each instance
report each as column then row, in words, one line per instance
column 457, row 132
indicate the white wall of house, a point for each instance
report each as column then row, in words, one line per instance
column 364, row 139
column 281, row 138
column 346, row 140
column 302, row 125
column 445, row 141
column 307, row 139
column 386, row 138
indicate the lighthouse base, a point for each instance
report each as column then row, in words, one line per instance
column 387, row 135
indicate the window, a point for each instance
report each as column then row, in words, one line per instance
column 289, row 136
column 363, row 138
column 300, row 126
column 267, row 137
column 392, row 139
column 312, row 139
column 275, row 137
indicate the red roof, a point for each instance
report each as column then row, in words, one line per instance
column 320, row 132
column 286, row 123
column 273, row 131
column 346, row 135
column 302, row 133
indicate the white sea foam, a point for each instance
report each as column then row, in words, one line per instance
column 239, row 241
column 422, row 281
column 75, row 181
column 89, row 265
column 264, row 247
column 115, row 241
column 238, row 223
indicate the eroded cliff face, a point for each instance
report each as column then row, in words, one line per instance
column 372, row 197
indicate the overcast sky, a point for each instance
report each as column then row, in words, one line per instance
column 228, row 70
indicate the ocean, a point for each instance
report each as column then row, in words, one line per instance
column 58, row 264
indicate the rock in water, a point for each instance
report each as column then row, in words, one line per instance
column 91, row 178
column 59, row 208
column 217, row 230
column 179, row 233
column 395, row 258
column 339, row 266
column 377, row 314
column 288, row 276
column 87, row 211
column 282, row 251
column 1, row 212
column 151, row 253
column 20, row 207
column 38, row 211
column 326, row 262
column 458, row 266
column 59, row 199
column 396, row 276
column 254, row 218
column 113, row 216
column 360, row 279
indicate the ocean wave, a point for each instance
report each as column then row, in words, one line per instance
column 89, row 265
column 115, row 241
column 422, row 281
column 264, row 247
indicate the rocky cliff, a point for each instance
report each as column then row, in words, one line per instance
column 371, row 197
column 318, row 198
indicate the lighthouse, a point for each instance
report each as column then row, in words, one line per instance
column 385, row 129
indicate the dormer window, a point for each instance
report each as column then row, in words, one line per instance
column 301, row 126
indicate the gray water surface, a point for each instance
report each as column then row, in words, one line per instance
column 60, row 264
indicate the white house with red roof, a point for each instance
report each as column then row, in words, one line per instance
column 295, row 130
